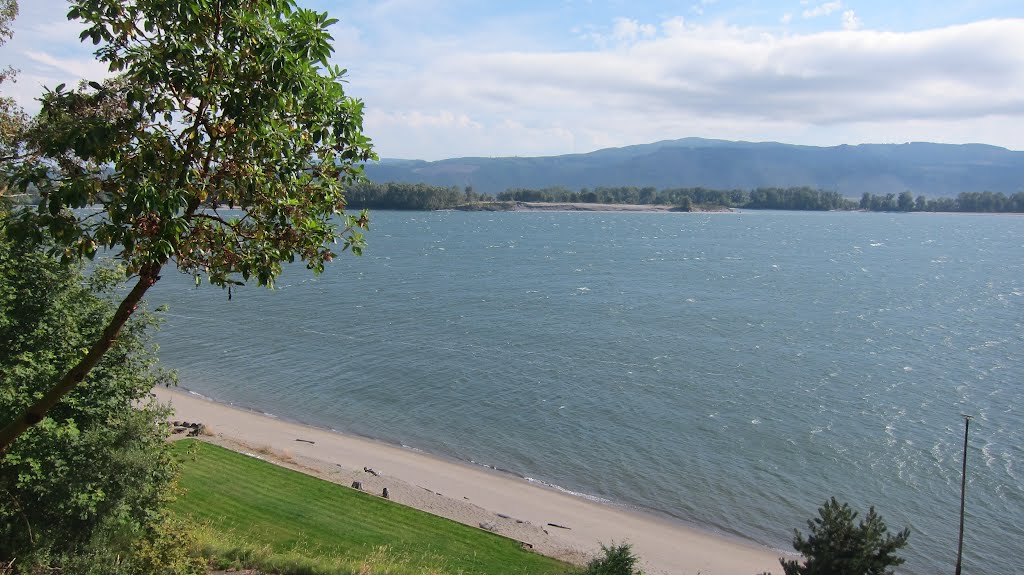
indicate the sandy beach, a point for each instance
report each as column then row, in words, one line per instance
column 552, row 522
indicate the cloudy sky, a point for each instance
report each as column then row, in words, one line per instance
column 446, row 78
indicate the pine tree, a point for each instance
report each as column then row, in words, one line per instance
column 835, row 545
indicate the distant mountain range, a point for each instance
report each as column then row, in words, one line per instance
column 921, row 167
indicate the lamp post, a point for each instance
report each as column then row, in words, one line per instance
column 963, row 493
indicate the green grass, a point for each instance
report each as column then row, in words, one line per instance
column 253, row 514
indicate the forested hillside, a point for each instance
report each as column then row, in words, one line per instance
column 935, row 170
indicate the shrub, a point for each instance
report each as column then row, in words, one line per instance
column 617, row 560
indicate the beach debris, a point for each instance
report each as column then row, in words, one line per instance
column 357, row 485
column 193, row 429
column 488, row 526
column 305, row 441
column 526, row 545
column 559, row 526
column 385, row 494
column 503, row 516
column 371, row 472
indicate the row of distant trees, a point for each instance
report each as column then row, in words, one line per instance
column 401, row 196
column 405, row 196
column 794, row 198
column 991, row 202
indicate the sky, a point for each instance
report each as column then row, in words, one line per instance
column 452, row 78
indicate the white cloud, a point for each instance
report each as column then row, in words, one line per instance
column 673, row 26
column 69, row 67
column 416, row 119
column 501, row 88
column 851, row 21
column 823, row 9
column 625, row 29
column 786, row 18
column 734, row 82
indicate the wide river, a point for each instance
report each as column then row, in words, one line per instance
column 733, row 371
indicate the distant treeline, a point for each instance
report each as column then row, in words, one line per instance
column 973, row 202
column 802, row 198
column 797, row 198
column 399, row 196
column 402, row 196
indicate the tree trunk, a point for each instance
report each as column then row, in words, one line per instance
column 34, row 414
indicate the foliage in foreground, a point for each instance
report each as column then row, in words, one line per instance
column 228, row 102
column 84, row 490
column 257, row 515
column 835, row 545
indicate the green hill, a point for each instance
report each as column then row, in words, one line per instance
column 253, row 514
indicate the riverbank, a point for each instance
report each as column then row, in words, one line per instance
column 554, row 523
column 582, row 207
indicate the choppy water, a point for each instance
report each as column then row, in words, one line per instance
column 731, row 370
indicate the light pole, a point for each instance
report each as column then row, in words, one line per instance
column 963, row 493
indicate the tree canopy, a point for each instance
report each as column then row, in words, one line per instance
column 12, row 119
column 836, row 545
column 214, row 102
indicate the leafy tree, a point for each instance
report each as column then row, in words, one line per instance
column 921, row 203
column 217, row 101
column 835, row 545
column 905, row 201
column 85, row 488
column 12, row 119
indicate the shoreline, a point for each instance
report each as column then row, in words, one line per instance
column 551, row 520
column 639, row 208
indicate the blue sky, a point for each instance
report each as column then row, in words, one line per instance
column 459, row 78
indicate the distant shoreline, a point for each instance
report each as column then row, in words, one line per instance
column 584, row 207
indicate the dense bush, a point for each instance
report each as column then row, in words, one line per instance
column 84, row 490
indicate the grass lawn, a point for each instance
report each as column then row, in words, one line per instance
column 254, row 514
